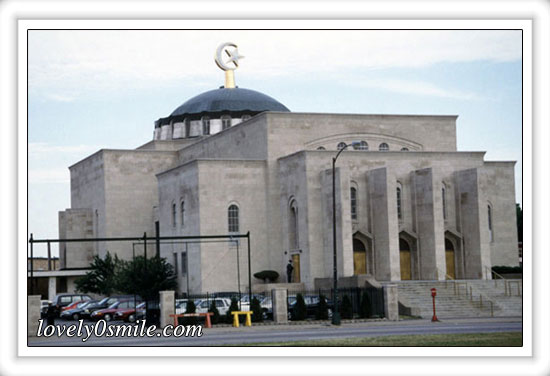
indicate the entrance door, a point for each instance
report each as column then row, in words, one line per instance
column 450, row 258
column 296, row 271
column 405, row 259
column 359, row 257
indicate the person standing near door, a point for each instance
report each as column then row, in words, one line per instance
column 289, row 269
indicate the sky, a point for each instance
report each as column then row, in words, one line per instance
column 95, row 89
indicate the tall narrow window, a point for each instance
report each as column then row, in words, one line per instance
column 176, row 262
column 182, row 213
column 293, row 227
column 184, row 263
column 233, row 218
column 226, row 122
column 174, row 215
column 187, row 123
column 399, row 209
column 383, row 147
column 490, row 222
column 205, row 125
column 353, row 200
column 444, row 202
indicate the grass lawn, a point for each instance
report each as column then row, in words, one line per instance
column 470, row 339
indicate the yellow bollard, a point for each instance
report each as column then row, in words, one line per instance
column 248, row 319
column 235, row 319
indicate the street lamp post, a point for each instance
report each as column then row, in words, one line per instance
column 336, row 313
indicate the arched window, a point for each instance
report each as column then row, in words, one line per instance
column 226, row 121
column 182, row 213
column 233, row 218
column 490, row 222
column 173, row 214
column 444, row 202
column 205, row 125
column 321, row 148
column 341, row 145
column 245, row 117
column 353, row 200
column 404, row 149
column 362, row 146
column 383, row 147
column 187, row 123
column 399, row 204
column 293, row 227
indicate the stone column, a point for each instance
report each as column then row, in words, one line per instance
column 473, row 212
column 167, row 308
column 391, row 303
column 33, row 314
column 279, row 304
column 52, row 288
column 382, row 196
column 430, row 226
column 344, row 240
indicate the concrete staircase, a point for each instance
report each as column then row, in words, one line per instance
column 461, row 298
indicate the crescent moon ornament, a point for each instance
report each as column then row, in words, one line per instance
column 232, row 52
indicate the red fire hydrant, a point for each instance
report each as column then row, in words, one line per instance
column 434, row 293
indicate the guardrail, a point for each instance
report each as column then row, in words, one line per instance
column 482, row 297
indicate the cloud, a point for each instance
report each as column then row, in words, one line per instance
column 60, row 98
column 41, row 148
column 106, row 61
column 417, row 88
column 53, row 175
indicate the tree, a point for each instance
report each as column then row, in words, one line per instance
column 322, row 309
column 233, row 307
column 365, row 306
column 300, row 309
column 103, row 277
column 519, row 216
column 347, row 308
column 215, row 312
column 256, row 308
column 146, row 278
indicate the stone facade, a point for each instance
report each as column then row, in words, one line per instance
column 454, row 214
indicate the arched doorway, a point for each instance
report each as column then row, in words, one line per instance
column 450, row 258
column 359, row 257
column 405, row 259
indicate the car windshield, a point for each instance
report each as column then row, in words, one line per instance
column 141, row 305
column 182, row 305
column 81, row 304
column 114, row 305
column 102, row 301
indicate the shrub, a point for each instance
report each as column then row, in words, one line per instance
column 347, row 308
column 322, row 309
column 300, row 309
column 191, row 308
column 256, row 310
column 215, row 318
column 233, row 307
column 267, row 275
column 365, row 306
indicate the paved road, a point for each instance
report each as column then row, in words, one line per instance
column 258, row 334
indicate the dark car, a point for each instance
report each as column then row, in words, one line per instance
column 105, row 303
column 312, row 304
column 76, row 313
column 129, row 315
column 63, row 300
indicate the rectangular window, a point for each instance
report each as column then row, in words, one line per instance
column 176, row 262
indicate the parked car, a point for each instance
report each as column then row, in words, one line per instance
column 129, row 315
column 222, row 304
column 245, row 302
column 76, row 313
column 63, row 300
column 72, row 305
column 108, row 313
column 267, row 307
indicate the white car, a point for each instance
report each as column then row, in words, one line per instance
column 222, row 304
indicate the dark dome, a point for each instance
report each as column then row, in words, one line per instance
column 229, row 100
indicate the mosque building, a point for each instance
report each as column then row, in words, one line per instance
column 409, row 205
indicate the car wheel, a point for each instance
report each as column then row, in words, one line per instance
column 131, row 318
column 76, row 316
column 108, row 317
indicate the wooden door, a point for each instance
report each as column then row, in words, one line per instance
column 405, row 263
column 450, row 258
column 296, row 271
column 359, row 257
